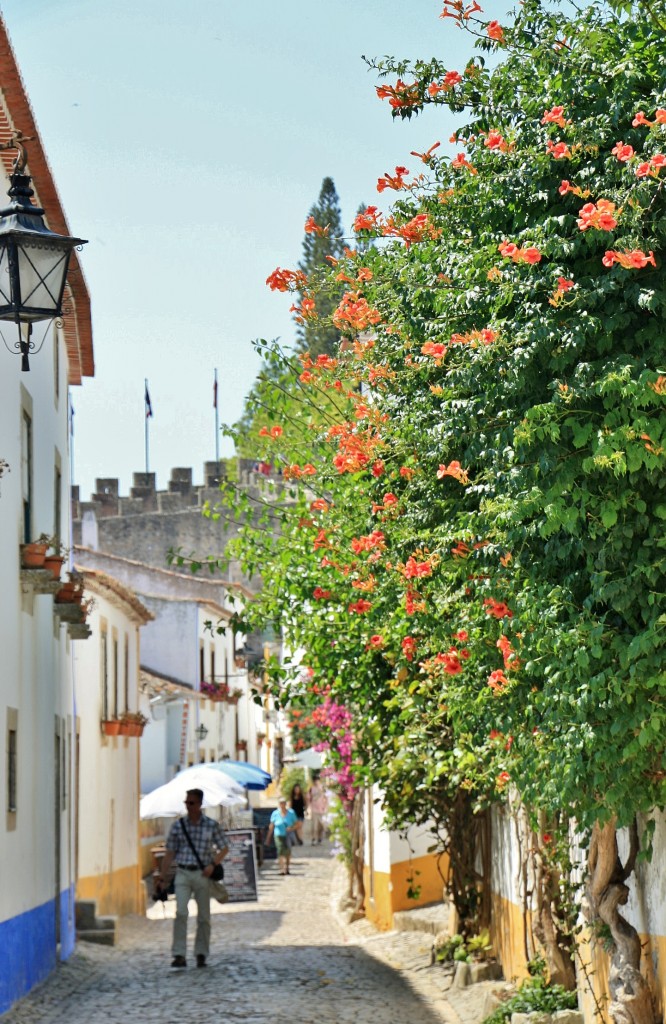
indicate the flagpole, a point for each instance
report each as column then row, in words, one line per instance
column 217, row 421
column 146, row 418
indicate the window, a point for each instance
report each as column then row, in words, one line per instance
column 116, row 688
column 26, row 475
column 11, row 770
column 57, row 501
column 212, row 664
column 104, row 654
column 56, row 364
column 11, row 793
column 202, row 664
column 126, row 671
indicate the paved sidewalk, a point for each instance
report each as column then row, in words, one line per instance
column 283, row 960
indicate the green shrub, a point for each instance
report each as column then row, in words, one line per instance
column 468, row 951
column 535, row 995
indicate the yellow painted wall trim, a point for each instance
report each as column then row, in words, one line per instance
column 418, row 874
column 389, row 892
column 378, row 899
column 120, row 892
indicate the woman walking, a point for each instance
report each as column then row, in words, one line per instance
column 282, row 823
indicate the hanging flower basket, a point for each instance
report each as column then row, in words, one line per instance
column 111, row 727
column 132, row 723
column 220, row 691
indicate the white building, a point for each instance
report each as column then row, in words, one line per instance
column 106, row 675
column 184, row 660
column 37, row 712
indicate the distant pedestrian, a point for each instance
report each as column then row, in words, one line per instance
column 318, row 807
column 196, row 858
column 282, row 824
column 297, row 804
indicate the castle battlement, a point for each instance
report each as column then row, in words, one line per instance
column 147, row 523
column 180, row 495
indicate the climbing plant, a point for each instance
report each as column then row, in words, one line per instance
column 470, row 551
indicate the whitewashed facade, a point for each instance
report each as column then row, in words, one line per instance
column 181, row 654
column 106, row 687
column 37, row 709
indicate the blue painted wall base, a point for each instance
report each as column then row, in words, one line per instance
column 29, row 948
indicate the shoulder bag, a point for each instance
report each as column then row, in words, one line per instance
column 218, row 889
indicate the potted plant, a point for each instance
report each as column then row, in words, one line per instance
column 220, row 691
column 34, row 553
column 241, row 744
column 4, row 467
column 55, row 556
column 111, row 726
column 132, row 723
column 71, row 590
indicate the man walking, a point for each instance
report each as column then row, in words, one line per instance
column 195, row 858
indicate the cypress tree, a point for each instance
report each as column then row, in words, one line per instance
column 319, row 336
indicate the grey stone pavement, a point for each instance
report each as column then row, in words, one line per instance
column 287, row 959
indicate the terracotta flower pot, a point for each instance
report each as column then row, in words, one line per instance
column 54, row 564
column 33, row 555
column 69, row 592
column 111, row 727
column 125, row 728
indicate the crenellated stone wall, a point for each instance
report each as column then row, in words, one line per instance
column 145, row 524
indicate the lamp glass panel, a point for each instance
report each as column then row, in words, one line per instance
column 42, row 269
column 5, row 280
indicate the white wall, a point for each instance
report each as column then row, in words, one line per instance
column 170, row 644
column 35, row 677
column 109, row 765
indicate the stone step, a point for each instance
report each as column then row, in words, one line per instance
column 85, row 914
column 432, row 919
column 102, row 936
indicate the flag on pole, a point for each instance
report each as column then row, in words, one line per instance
column 215, row 391
column 146, row 398
column 71, row 418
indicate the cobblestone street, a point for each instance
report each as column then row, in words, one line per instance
column 283, row 959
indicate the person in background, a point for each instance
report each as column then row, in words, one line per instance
column 282, row 824
column 297, row 804
column 318, row 806
column 211, row 847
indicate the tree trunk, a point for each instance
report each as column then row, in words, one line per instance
column 549, row 929
column 357, row 841
column 467, row 835
column 556, row 944
column 630, row 997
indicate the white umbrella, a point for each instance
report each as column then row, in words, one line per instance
column 309, row 758
column 168, row 800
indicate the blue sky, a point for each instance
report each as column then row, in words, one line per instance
column 188, row 142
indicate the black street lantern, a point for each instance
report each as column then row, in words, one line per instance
column 201, row 732
column 33, row 261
